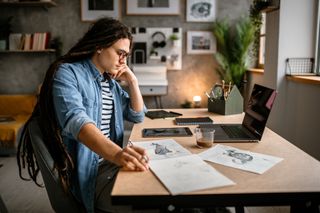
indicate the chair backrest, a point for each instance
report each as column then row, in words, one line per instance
column 60, row 201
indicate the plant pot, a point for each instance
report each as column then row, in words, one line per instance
column 3, row 44
column 176, row 43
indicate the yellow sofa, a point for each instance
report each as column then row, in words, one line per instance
column 19, row 108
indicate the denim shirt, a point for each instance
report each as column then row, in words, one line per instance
column 77, row 101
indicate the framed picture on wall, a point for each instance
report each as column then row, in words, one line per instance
column 154, row 7
column 201, row 10
column 201, row 42
column 94, row 9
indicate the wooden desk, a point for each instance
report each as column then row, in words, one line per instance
column 295, row 180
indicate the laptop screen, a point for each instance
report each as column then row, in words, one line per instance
column 258, row 109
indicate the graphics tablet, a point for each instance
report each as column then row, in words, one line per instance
column 166, row 132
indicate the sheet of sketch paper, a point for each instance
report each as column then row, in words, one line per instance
column 187, row 173
column 179, row 170
column 240, row 159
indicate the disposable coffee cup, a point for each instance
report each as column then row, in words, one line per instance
column 204, row 137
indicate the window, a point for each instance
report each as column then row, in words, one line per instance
column 262, row 41
column 317, row 54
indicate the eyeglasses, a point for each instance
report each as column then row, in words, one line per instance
column 122, row 54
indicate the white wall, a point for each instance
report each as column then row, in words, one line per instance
column 296, row 112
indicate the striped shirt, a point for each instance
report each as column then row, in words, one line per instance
column 107, row 108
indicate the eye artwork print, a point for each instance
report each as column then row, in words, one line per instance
column 201, row 10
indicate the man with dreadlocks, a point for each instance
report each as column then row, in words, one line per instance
column 81, row 109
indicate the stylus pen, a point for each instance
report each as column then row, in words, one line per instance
column 176, row 113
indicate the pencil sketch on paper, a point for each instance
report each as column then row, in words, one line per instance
column 179, row 164
column 162, row 149
column 240, row 159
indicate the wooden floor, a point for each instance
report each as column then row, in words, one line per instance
column 25, row 196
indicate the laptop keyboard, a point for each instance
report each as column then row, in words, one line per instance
column 234, row 132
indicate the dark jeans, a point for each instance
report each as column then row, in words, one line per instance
column 105, row 180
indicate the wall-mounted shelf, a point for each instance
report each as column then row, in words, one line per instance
column 269, row 9
column 28, row 51
column 30, row 3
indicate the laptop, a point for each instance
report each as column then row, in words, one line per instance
column 254, row 121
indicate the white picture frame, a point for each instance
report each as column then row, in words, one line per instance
column 201, row 42
column 91, row 10
column 201, row 10
column 161, row 7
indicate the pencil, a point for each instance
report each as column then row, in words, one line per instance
column 130, row 143
column 176, row 113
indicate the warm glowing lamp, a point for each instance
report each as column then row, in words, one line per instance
column 196, row 101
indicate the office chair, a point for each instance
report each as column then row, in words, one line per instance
column 60, row 201
column 3, row 207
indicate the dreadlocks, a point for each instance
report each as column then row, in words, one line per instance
column 102, row 34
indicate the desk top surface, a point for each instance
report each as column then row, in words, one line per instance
column 297, row 173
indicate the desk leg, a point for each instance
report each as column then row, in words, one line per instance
column 306, row 208
column 157, row 100
column 160, row 102
column 239, row 209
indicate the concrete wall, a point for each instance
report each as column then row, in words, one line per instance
column 291, row 33
column 22, row 73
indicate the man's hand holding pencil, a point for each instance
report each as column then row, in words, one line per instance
column 133, row 158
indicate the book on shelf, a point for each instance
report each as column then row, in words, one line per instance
column 193, row 121
column 29, row 41
column 15, row 41
column 40, row 41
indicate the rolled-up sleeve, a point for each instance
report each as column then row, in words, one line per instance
column 70, row 105
column 134, row 116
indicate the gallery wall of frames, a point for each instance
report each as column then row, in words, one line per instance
column 197, row 42
column 196, row 10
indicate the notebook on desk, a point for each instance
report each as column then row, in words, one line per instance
column 193, row 121
column 155, row 114
column 254, row 122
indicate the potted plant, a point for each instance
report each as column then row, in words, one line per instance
column 233, row 44
column 56, row 44
column 5, row 30
column 175, row 40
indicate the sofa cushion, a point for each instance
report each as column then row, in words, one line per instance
column 18, row 107
column 17, row 104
